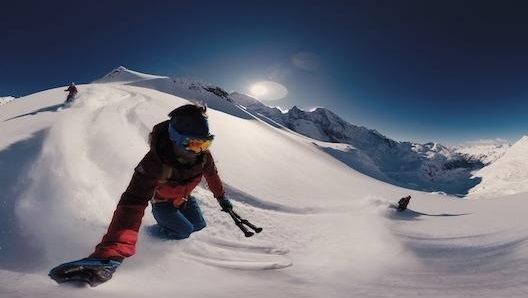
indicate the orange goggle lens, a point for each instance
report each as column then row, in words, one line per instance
column 197, row 145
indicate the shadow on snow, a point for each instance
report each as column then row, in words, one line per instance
column 16, row 249
column 410, row 214
column 53, row 108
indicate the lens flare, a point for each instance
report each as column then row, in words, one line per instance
column 258, row 90
column 268, row 90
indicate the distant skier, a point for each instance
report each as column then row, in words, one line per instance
column 402, row 203
column 72, row 91
column 176, row 162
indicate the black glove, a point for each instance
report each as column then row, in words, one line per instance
column 225, row 204
column 89, row 270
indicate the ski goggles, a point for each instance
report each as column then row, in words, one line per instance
column 190, row 143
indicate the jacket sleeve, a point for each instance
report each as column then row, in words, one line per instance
column 120, row 240
column 212, row 178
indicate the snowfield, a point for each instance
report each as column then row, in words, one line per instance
column 327, row 229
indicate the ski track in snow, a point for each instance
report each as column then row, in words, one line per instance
column 367, row 251
column 446, row 261
column 235, row 255
column 240, row 196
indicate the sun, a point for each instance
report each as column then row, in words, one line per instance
column 267, row 90
column 258, row 90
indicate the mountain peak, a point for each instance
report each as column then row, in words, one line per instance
column 123, row 74
column 521, row 143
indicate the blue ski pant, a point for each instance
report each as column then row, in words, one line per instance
column 179, row 223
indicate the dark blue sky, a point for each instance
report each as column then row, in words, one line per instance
column 446, row 71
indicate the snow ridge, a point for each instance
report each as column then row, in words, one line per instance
column 122, row 74
column 507, row 175
column 428, row 167
column 4, row 100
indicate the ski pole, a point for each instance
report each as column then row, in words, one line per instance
column 246, row 222
column 240, row 222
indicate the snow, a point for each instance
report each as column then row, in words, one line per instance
column 490, row 150
column 123, row 75
column 327, row 229
column 6, row 99
column 507, row 175
column 425, row 167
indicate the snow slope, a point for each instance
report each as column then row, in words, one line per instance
column 487, row 151
column 426, row 167
column 6, row 99
column 327, row 231
column 124, row 75
column 507, row 175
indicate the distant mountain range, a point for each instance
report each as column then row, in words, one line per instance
column 428, row 167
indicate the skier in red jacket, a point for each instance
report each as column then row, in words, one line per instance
column 176, row 162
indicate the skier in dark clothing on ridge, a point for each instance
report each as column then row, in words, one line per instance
column 403, row 202
column 72, row 91
column 176, row 162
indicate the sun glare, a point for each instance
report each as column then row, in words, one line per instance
column 258, row 90
column 268, row 90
